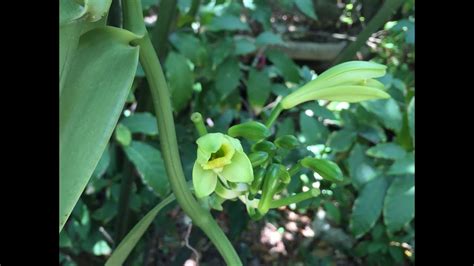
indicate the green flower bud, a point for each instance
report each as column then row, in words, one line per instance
column 287, row 142
column 265, row 146
column 257, row 158
column 270, row 185
column 326, row 169
column 252, row 130
column 348, row 82
column 257, row 181
column 223, row 156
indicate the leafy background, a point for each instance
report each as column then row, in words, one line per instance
column 223, row 63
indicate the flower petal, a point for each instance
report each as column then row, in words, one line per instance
column 225, row 193
column 235, row 142
column 204, row 181
column 207, row 145
column 240, row 170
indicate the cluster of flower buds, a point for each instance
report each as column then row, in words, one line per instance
column 223, row 171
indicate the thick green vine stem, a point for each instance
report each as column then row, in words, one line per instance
column 133, row 20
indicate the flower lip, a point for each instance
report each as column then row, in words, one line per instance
column 220, row 158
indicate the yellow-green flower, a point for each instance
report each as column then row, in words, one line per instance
column 220, row 156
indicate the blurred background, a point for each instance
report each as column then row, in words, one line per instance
column 231, row 60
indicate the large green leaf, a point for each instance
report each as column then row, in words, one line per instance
column 73, row 20
column 122, row 251
column 399, row 206
column 150, row 165
column 91, row 101
column 68, row 39
column 180, row 79
column 70, row 11
column 258, row 88
column 368, row 206
column 227, row 77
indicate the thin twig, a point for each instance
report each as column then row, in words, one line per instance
column 186, row 242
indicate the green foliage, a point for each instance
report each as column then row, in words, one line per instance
column 150, row 165
column 363, row 153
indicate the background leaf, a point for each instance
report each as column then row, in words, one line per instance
column 306, row 6
column 227, row 77
column 227, row 22
column 244, row 46
column 399, row 205
column 141, row 123
column 258, row 87
column 150, row 165
column 313, row 131
column 341, row 140
column 287, row 67
column 389, row 151
column 368, row 206
column 387, row 112
column 404, row 165
column 268, row 38
column 411, row 117
column 361, row 168
column 123, row 135
column 180, row 79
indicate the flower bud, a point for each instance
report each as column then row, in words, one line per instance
column 257, row 158
column 252, row 130
column 347, row 82
column 287, row 142
column 326, row 169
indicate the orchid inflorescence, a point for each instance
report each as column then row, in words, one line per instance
column 224, row 171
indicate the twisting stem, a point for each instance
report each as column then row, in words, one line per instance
column 199, row 123
column 133, row 20
column 295, row 168
column 274, row 115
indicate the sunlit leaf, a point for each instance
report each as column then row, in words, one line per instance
column 368, row 206
column 399, row 206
